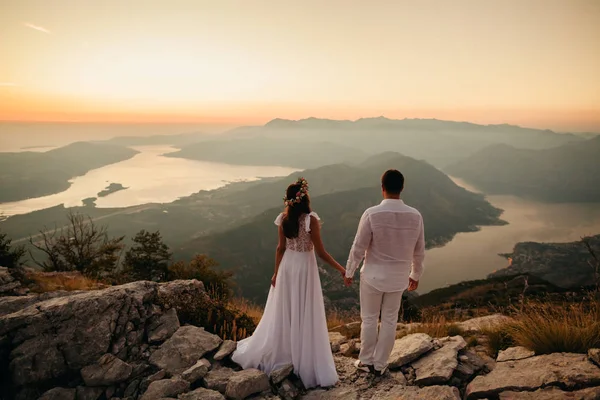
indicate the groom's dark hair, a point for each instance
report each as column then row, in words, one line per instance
column 392, row 181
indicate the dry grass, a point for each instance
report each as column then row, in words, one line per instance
column 42, row 282
column 244, row 306
column 336, row 318
column 499, row 337
column 548, row 328
column 436, row 326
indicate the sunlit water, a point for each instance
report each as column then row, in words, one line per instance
column 474, row 255
column 150, row 178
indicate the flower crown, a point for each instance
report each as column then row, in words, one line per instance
column 300, row 195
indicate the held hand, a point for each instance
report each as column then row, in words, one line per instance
column 412, row 284
column 273, row 280
column 348, row 281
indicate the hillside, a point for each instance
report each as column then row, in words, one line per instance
column 566, row 265
column 269, row 151
column 439, row 142
column 248, row 249
column 568, row 173
column 32, row 174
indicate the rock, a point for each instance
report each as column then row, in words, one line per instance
column 336, row 340
column 455, row 342
column 246, row 383
column 399, row 377
column 196, row 371
column 89, row 393
column 469, row 364
column 288, row 391
column 166, row 388
column 184, row 349
column 514, row 353
column 351, row 330
column 350, row 348
column 415, row 393
column 560, row 369
column 481, row 323
column 217, row 379
column 409, row 348
column 280, row 374
column 202, row 394
column 338, row 393
column 9, row 285
column 132, row 389
column 163, row 326
column 436, row 367
column 107, row 371
column 594, row 356
column 225, row 350
column 152, row 378
column 59, row 394
column 553, row 393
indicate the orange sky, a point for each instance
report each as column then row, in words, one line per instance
column 532, row 62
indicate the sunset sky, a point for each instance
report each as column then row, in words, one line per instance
column 528, row 62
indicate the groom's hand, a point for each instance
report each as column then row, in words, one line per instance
column 412, row 284
column 348, row 281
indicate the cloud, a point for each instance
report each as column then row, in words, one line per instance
column 37, row 27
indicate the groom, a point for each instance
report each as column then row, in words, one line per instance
column 391, row 239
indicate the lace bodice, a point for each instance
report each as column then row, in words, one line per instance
column 303, row 242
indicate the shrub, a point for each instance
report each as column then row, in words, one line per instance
column 148, row 258
column 202, row 268
column 498, row 338
column 10, row 256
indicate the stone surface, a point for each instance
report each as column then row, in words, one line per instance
column 469, row 364
column 339, row 393
column 280, row 374
column 166, row 388
column 350, row 348
column 202, row 394
column 89, row 393
column 436, row 367
column 217, row 379
column 553, row 394
column 246, row 383
column 351, row 330
column 415, row 393
column 184, row 349
column 409, row 348
column 162, row 326
column 225, row 350
column 336, row 339
column 196, row 371
column 594, row 356
column 455, row 342
column 288, row 391
column 481, row 323
column 560, row 369
column 59, row 394
column 107, row 371
column 514, row 353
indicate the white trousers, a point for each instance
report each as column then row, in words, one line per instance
column 376, row 347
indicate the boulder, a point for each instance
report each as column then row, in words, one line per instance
column 469, row 364
column 594, row 356
column 514, row 353
column 202, row 394
column 89, row 393
column 280, row 374
column 288, row 391
column 338, row 393
column 415, row 393
column 59, row 394
column 166, row 388
column 184, row 349
column 409, row 348
column 336, row 340
column 107, row 371
column 196, row 371
column 350, row 348
column 560, row 369
column 162, row 326
column 217, row 379
column 246, row 383
column 553, row 393
column 436, row 367
column 482, row 323
column 225, row 350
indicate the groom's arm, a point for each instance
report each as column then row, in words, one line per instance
column 361, row 243
column 418, row 255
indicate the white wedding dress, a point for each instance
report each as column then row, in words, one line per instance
column 293, row 328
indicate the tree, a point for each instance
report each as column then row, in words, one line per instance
column 217, row 283
column 10, row 256
column 149, row 257
column 81, row 246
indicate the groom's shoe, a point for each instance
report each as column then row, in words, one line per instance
column 380, row 373
column 364, row 367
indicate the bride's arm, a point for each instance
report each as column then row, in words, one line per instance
column 279, row 254
column 315, row 235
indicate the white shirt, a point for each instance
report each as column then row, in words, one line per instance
column 391, row 239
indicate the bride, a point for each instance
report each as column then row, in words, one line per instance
column 293, row 328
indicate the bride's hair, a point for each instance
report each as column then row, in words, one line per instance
column 293, row 211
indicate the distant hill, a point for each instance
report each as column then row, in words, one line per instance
column 270, row 151
column 33, row 174
column 171, row 140
column 438, row 142
column 565, row 265
column 340, row 194
column 568, row 173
